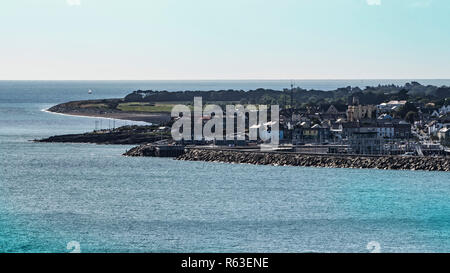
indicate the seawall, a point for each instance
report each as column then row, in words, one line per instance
column 327, row 161
column 151, row 150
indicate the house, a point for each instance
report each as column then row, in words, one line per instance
column 444, row 110
column 366, row 143
column 332, row 110
column 388, row 107
column 444, row 135
column 333, row 113
column 315, row 134
column 296, row 117
column 386, row 130
column 435, row 125
column 385, row 117
column 267, row 131
column 402, row 130
column 348, row 128
column 358, row 112
column 392, row 129
column 299, row 118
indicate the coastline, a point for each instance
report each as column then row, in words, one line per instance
column 147, row 119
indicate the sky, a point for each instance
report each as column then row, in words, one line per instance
column 224, row 39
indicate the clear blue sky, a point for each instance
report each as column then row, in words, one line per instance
column 224, row 39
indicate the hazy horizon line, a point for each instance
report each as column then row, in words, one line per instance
column 249, row 79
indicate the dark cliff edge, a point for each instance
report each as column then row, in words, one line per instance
column 126, row 135
column 328, row 161
column 109, row 106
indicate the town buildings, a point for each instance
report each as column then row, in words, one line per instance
column 358, row 112
column 391, row 106
column 444, row 135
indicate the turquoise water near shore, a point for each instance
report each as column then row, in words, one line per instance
column 51, row 194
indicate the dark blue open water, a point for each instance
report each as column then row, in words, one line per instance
column 51, row 194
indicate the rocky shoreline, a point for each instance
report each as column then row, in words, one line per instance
column 155, row 150
column 126, row 135
column 329, row 161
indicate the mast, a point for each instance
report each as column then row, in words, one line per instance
column 292, row 95
column 292, row 104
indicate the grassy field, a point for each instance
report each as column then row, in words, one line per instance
column 159, row 107
column 92, row 105
column 146, row 107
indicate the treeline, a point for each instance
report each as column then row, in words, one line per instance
column 302, row 98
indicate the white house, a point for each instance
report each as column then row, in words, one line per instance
column 385, row 131
column 387, row 107
column 444, row 110
column 435, row 114
column 434, row 127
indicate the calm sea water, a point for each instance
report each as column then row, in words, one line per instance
column 51, row 194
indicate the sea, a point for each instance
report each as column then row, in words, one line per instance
column 89, row 198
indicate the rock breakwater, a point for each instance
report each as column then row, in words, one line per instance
column 125, row 135
column 328, row 161
column 155, row 150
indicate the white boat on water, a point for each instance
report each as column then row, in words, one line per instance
column 90, row 91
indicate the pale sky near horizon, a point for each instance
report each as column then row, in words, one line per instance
column 224, row 39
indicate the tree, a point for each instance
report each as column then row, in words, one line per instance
column 411, row 117
column 243, row 101
column 402, row 95
column 443, row 92
column 404, row 110
column 133, row 97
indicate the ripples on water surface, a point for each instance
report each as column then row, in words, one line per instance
column 51, row 194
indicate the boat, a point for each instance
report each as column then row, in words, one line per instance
column 90, row 91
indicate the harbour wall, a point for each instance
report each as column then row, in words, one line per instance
column 327, row 161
